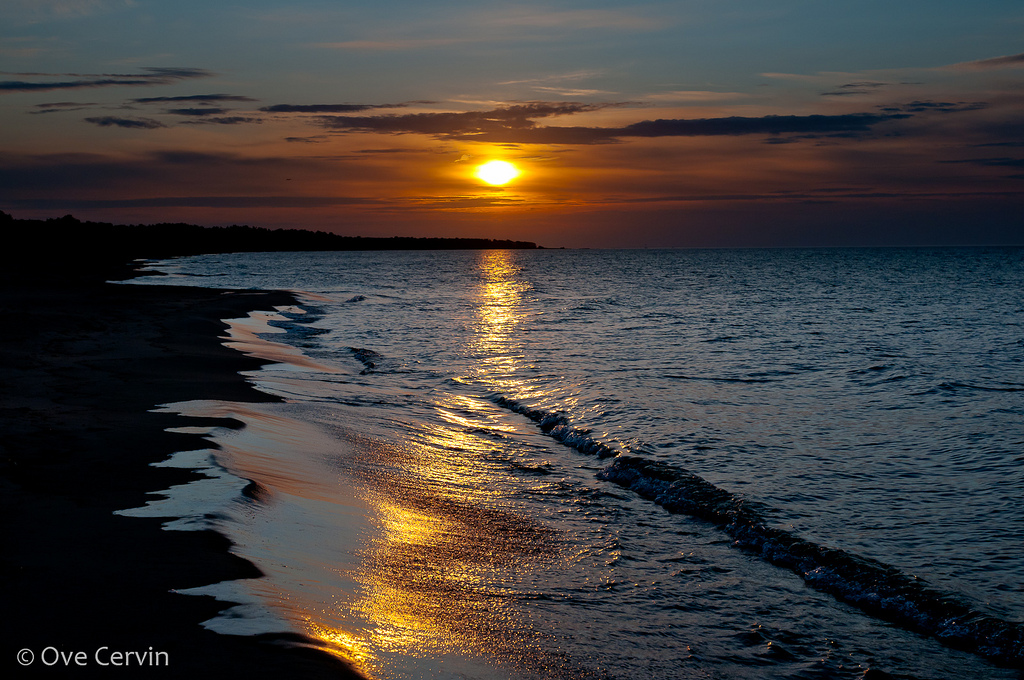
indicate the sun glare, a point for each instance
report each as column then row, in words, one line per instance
column 497, row 172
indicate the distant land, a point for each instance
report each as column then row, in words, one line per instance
column 76, row 246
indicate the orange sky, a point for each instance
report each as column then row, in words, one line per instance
column 632, row 124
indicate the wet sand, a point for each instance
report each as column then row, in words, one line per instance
column 83, row 362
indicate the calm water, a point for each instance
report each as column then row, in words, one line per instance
column 665, row 464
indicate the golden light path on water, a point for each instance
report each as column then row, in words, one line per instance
column 434, row 580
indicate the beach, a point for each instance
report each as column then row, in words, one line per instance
column 430, row 477
column 87, row 592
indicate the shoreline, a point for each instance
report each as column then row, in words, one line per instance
column 85, row 361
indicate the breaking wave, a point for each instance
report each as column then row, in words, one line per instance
column 876, row 588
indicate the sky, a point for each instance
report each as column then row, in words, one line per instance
column 692, row 123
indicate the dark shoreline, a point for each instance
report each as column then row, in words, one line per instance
column 83, row 363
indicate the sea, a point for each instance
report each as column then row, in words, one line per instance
column 638, row 464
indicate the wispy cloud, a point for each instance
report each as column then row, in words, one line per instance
column 920, row 106
column 54, row 107
column 197, row 98
column 194, row 202
column 1009, row 61
column 517, row 124
column 132, row 123
column 992, row 162
column 571, row 91
column 694, row 96
column 562, row 84
column 223, row 120
column 31, row 11
column 197, row 112
column 328, row 108
column 396, row 44
column 506, row 23
column 860, row 87
column 149, row 77
column 545, row 18
column 515, row 117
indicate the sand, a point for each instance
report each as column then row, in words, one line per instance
column 83, row 362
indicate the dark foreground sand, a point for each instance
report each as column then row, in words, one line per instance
column 82, row 362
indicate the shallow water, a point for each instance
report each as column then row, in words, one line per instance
column 439, row 494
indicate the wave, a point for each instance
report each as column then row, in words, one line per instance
column 1000, row 387
column 715, row 379
column 876, row 588
column 367, row 357
column 558, row 426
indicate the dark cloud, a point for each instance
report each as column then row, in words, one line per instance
column 516, row 124
column 1003, row 144
column 764, row 125
column 24, row 86
column 189, row 202
column 151, row 76
column 198, row 98
column 54, row 107
column 63, row 105
column 197, row 112
column 992, row 162
column 327, row 108
column 519, row 117
column 82, row 175
column 138, row 123
column 792, row 139
column 938, row 107
column 159, row 72
column 316, row 139
column 171, row 73
column 396, row 150
column 224, row 120
column 862, row 87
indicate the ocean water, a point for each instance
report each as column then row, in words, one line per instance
column 626, row 464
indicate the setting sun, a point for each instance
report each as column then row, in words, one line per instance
column 497, row 172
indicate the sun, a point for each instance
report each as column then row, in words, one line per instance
column 497, row 173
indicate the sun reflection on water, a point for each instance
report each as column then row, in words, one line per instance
column 449, row 546
column 499, row 317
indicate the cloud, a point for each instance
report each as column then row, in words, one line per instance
column 1009, row 61
column 198, row 98
column 152, row 76
column 36, row 10
column 223, row 120
column 507, row 23
column 197, row 112
column 397, row 44
column 570, row 92
column 862, row 87
column 516, row 124
column 191, row 202
column 772, row 125
column 315, row 139
column 133, row 123
column 54, row 107
column 694, row 96
column 328, row 108
column 992, row 162
column 572, row 76
column 938, row 107
column 516, row 117
column 562, row 84
column 393, row 150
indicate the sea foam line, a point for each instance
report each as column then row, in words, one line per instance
column 876, row 588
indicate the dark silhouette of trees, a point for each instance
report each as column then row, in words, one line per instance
column 39, row 246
